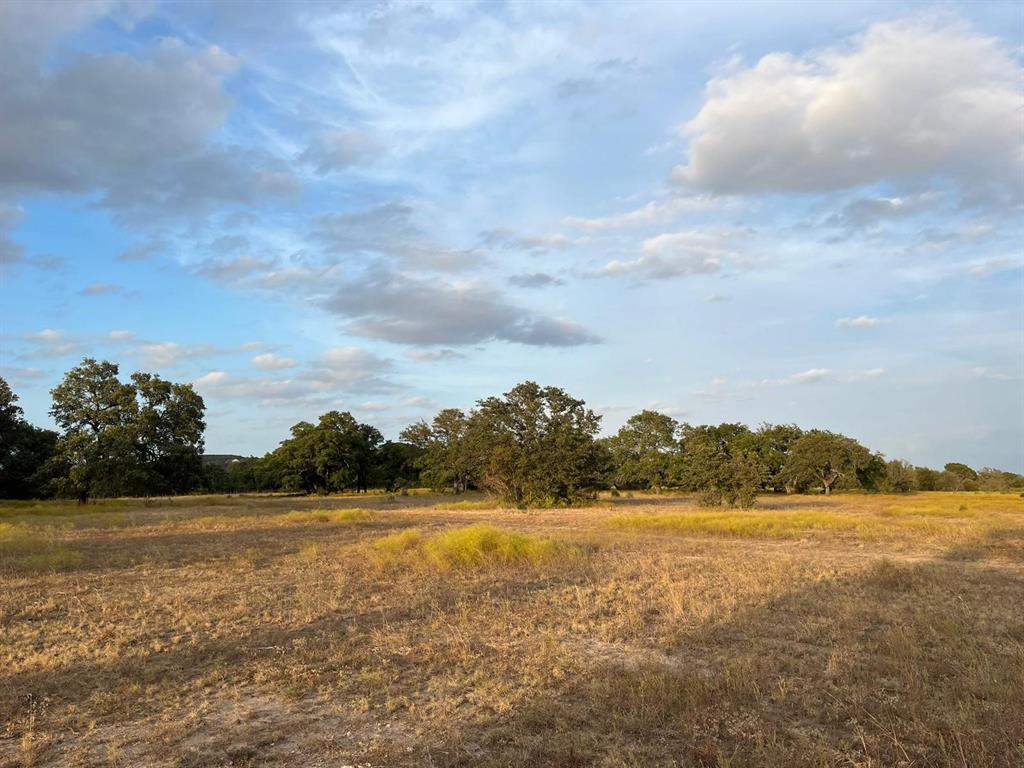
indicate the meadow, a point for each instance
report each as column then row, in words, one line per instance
column 378, row 630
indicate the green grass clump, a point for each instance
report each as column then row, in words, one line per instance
column 482, row 544
column 354, row 515
column 473, row 546
column 396, row 544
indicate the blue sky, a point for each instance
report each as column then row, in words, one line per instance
column 773, row 212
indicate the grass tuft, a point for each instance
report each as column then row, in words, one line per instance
column 482, row 544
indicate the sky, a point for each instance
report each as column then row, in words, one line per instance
column 770, row 212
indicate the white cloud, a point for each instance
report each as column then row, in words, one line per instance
column 861, row 375
column 809, row 376
column 47, row 335
column 652, row 213
column 906, row 101
column 166, row 353
column 211, row 378
column 676, row 254
column 994, row 266
column 271, row 362
column 121, row 335
column 864, row 321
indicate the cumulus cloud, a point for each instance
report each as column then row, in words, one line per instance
column 535, row 280
column 907, row 101
column 168, row 353
column 50, row 342
column 433, row 355
column 271, row 362
column 405, row 309
column 863, row 321
column 676, row 254
column 803, row 377
column 136, row 128
column 121, row 335
column 867, row 214
column 337, row 370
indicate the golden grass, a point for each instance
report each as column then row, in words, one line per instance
column 468, row 505
column 482, row 544
column 855, row 632
column 931, row 516
column 351, row 515
column 473, row 546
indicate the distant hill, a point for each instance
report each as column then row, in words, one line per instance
column 222, row 460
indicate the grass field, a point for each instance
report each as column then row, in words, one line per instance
column 426, row 631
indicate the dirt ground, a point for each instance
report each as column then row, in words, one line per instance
column 847, row 631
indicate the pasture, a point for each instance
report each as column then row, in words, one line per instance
column 423, row 630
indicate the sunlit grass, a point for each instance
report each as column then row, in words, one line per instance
column 354, row 515
column 755, row 524
column 468, row 506
column 473, row 546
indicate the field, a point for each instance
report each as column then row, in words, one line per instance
column 414, row 631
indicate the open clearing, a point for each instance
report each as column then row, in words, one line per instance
column 402, row 631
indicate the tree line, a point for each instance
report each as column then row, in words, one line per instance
column 532, row 446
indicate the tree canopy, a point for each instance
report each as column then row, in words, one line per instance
column 119, row 438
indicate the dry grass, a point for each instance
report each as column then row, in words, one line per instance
column 856, row 631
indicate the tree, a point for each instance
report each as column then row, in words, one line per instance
column 24, row 450
column 125, row 438
column 966, row 478
column 927, row 479
column 395, row 466
column 772, row 443
column 720, row 463
column 335, row 454
column 535, row 446
column 826, row 459
column 446, row 459
column 900, row 477
column 643, row 450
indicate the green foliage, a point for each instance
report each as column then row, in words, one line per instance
column 336, row 454
column 771, row 444
column 121, row 439
column 535, row 446
column 900, row 477
column 828, row 460
column 446, row 460
column 966, row 479
column 395, row 466
column 721, row 463
column 24, row 450
column 643, row 451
